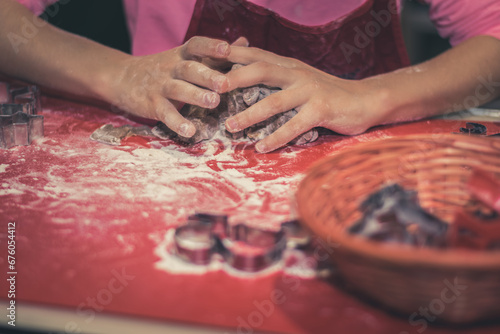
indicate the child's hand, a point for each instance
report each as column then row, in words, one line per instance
column 223, row 64
column 344, row 106
column 153, row 86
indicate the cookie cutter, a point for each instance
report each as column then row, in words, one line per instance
column 243, row 247
column 19, row 122
column 473, row 129
column 4, row 92
column 27, row 95
column 250, row 249
column 477, row 129
column 296, row 235
column 194, row 243
column 198, row 240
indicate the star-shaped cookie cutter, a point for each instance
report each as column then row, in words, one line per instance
column 19, row 122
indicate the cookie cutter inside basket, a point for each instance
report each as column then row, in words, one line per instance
column 243, row 247
column 19, row 122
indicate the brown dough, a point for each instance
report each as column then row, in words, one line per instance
column 209, row 121
column 110, row 135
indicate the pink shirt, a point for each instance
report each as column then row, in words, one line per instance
column 156, row 26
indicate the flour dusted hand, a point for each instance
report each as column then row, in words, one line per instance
column 152, row 86
column 209, row 121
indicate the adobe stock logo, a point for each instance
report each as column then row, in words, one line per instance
column 449, row 294
column 97, row 303
column 223, row 6
column 372, row 29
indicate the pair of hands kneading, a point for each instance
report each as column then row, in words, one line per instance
column 155, row 86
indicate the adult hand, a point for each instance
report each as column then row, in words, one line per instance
column 153, row 86
column 344, row 106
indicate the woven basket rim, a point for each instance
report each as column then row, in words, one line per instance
column 400, row 254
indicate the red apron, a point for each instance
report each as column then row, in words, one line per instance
column 363, row 43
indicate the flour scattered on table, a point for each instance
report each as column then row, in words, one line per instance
column 169, row 180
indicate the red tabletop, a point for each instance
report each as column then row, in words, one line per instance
column 91, row 222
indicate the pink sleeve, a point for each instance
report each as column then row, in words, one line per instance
column 459, row 20
column 36, row 6
column 156, row 26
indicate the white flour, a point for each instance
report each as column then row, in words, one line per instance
column 100, row 182
column 175, row 180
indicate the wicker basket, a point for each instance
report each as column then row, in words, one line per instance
column 455, row 285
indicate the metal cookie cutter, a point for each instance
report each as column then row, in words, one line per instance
column 19, row 124
column 244, row 248
column 196, row 241
column 29, row 95
column 477, row 129
column 251, row 249
column 4, row 92
column 296, row 235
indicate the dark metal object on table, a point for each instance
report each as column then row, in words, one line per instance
column 218, row 222
column 296, row 235
column 251, row 249
column 27, row 95
column 477, row 129
column 194, row 243
column 19, row 122
column 474, row 129
column 243, row 247
column 4, row 92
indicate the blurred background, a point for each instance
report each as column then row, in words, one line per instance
column 103, row 21
column 421, row 37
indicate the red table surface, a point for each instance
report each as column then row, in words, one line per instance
column 89, row 217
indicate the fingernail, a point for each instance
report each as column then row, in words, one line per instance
column 261, row 147
column 186, row 130
column 231, row 125
column 222, row 49
column 211, row 100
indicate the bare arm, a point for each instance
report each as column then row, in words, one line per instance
column 465, row 76
column 35, row 51
column 149, row 86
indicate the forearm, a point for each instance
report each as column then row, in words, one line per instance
column 35, row 51
column 465, row 76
